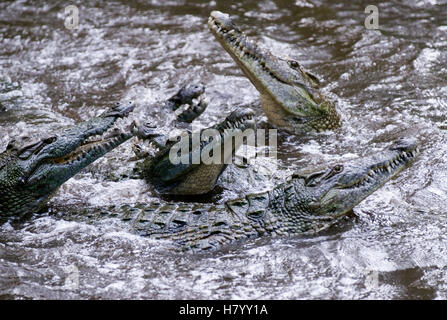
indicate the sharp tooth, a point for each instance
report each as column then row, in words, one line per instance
column 388, row 169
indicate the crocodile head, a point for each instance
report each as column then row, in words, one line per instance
column 186, row 95
column 315, row 201
column 192, row 174
column 290, row 95
column 30, row 174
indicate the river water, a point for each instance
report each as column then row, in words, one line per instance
column 389, row 83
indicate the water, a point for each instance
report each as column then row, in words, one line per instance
column 389, row 83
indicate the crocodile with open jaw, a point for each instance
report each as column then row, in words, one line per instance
column 195, row 178
column 191, row 177
column 306, row 203
column 29, row 175
column 290, row 95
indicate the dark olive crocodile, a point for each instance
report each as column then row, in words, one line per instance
column 29, row 175
column 306, row 203
column 290, row 96
column 191, row 177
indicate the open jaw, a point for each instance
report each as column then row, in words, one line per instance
column 238, row 125
column 245, row 53
column 30, row 174
column 289, row 94
column 361, row 177
column 197, row 176
column 93, row 147
column 76, row 148
column 240, row 119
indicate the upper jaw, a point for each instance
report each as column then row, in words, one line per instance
column 245, row 53
column 233, row 125
column 239, row 119
column 290, row 90
column 384, row 165
column 93, row 146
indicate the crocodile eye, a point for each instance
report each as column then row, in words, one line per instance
column 338, row 168
column 49, row 140
column 12, row 145
column 294, row 64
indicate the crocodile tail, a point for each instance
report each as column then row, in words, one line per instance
column 188, row 226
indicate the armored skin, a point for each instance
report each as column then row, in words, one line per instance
column 306, row 203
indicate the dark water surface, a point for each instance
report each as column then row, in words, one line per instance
column 390, row 83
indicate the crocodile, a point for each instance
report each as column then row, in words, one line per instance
column 192, row 176
column 30, row 174
column 308, row 202
column 290, row 95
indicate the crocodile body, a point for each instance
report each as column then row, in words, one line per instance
column 290, row 95
column 305, row 203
